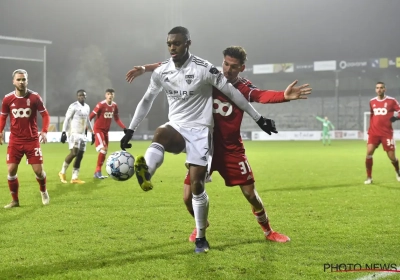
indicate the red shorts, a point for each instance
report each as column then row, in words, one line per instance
column 15, row 152
column 388, row 142
column 234, row 168
column 100, row 140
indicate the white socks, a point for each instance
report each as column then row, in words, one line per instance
column 64, row 167
column 75, row 174
column 154, row 157
column 200, row 209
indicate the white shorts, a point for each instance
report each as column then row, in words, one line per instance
column 77, row 141
column 198, row 143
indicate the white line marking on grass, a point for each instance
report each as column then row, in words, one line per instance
column 379, row 275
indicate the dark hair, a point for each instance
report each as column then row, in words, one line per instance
column 236, row 52
column 381, row 83
column 80, row 90
column 110, row 90
column 180, row 30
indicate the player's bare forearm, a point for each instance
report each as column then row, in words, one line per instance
column 140, row 70
column 151, row 67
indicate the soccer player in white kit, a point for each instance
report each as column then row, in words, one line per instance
column 187, row 81
column 75, row 123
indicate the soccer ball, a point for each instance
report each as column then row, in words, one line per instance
column 119, row 165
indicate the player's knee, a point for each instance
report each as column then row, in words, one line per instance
column 38, row 170
column 40, row 174
column 170, row 139
column 12, row 170
column 197, row 186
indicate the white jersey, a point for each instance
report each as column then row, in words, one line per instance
column 188, row 90
column 76, row 118
column 189, row 93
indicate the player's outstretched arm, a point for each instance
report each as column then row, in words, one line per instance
column 142, row 109
column 293, row 92
column 267, row 125
column 320, row 119
column 136, row 71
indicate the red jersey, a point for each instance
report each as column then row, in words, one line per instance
column 228, row 117
column 381, row 112
column 105, row 113
column 23, row 114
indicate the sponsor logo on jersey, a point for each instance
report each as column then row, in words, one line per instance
column 28, row 102
column 179, row 94
column 189, row 79
column 108, row 115
column 12, row 105
column 380, row 111
column 222, row 108
column 21, row 112
column 166, row 80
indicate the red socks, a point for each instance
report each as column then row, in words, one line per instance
column 100, row 160
column 262, row 220
column 13, row 185
column 368, row 164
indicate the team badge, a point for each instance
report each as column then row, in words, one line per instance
column 189, row 79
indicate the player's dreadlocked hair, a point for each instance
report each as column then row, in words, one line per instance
column 180, row 30
column 236, row 52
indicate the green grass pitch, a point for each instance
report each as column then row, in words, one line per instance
column 113, row 230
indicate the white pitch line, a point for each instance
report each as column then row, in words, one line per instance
column 379, row 275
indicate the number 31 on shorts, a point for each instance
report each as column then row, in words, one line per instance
column 244, row 167
column 389, row 142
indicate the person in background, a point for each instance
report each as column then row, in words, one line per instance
column 22, row 106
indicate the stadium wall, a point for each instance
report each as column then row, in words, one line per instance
column 115, row 136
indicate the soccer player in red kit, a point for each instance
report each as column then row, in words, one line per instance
column 22, row 105
column 229, row 157
column 105, row 111
column 380, row 131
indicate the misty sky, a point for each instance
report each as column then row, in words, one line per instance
column 131, row 32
